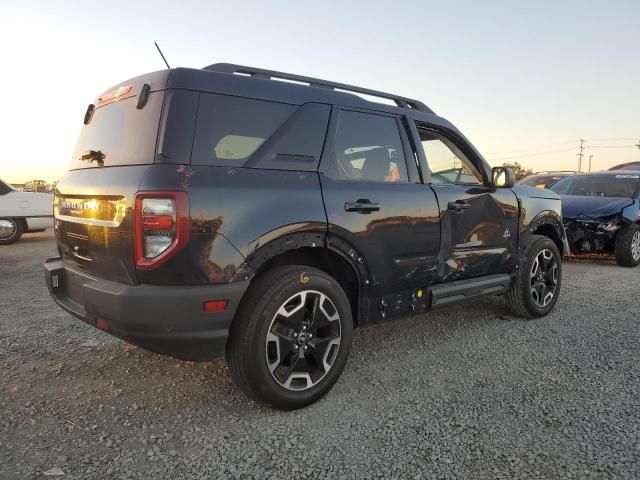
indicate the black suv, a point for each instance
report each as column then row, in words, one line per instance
column 270, row 214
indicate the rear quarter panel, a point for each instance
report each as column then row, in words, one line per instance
column 236, row 213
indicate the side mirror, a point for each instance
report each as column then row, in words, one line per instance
column 502, row 177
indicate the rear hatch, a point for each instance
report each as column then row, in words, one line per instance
column 93, row 201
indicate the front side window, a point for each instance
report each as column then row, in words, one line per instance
column 448, row 165
column 367, row 147
column 230, row 129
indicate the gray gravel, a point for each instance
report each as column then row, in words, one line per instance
column 466, row 393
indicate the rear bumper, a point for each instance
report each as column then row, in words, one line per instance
column 165, row 319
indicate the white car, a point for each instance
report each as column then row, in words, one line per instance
column 23, row 212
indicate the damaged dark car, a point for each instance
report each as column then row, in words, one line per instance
column 601, row 212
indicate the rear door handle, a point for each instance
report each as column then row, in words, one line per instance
column 362, row 205
column 458, row 206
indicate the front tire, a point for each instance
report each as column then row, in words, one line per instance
column 537, row 284
column 627, row 248
column 11, row 229
column 291, row 337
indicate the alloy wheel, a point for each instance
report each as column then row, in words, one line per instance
column 303, row 340
column 8, row 229
column 544, row 278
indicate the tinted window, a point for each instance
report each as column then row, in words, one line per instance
column 368, row 147
column 540, row 181
column 446, row 162
column 230, row 129
column 124, row 134
column 5, row 188
column 623, row 185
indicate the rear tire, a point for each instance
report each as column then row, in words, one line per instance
column 537, row 284
column 11, row 229
column 627, row 248
column 291, row 337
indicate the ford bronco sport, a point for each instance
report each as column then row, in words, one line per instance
column 266, row 215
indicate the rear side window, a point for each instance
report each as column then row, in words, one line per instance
column 230, row 129
column 5, row 188
column 367, row 147
column 124, row 134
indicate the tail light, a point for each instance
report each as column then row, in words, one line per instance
column 161, row 227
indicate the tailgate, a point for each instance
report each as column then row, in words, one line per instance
column 93, row 221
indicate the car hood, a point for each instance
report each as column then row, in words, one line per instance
column 577, row 207
column 533, row 192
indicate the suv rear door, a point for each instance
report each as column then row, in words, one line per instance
column 479, row 222
column 375, row 202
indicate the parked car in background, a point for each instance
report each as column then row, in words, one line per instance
column 23, row 212
column 601, row 212
column 544, row 179
column 630, row 166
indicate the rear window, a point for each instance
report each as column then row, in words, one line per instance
column 124, row 134
column 623, row 185
column 540, row 181
column 230, row 129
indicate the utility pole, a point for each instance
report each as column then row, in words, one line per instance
column 590, row 157
column 580, row 155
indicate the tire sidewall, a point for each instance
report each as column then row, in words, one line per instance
column 272, row 299
column 538, row 244
column 623, row 247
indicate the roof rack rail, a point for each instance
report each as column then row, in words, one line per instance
column 402, row 102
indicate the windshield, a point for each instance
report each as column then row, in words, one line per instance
column 598, row 185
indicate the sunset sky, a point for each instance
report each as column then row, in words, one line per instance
column 523, row 81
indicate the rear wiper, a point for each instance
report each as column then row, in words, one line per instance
column 91, row 155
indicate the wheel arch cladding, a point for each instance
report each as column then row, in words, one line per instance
column 322, row 258
column 548, row 225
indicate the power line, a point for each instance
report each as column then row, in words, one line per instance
column 548, row 152
column 540, row 147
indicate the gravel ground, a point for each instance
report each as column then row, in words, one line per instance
column 470, row 392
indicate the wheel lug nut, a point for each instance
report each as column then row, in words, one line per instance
column 306, row 348
column 295, row 335
column 295, row 347
column 310, row 335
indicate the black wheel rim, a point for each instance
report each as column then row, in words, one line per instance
column 544, row 278
column 8, row 228
column 303, row 340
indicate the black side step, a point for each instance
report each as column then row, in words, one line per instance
column 461, row 291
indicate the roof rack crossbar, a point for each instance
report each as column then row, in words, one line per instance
column 402, row 102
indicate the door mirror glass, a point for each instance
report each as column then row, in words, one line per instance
column 502, row 177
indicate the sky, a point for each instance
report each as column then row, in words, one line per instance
column 524, row 81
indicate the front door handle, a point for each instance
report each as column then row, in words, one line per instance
column 362, row 205
column 458, row 206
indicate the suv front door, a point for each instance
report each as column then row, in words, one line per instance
column 378, row 211
column 479, row 223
